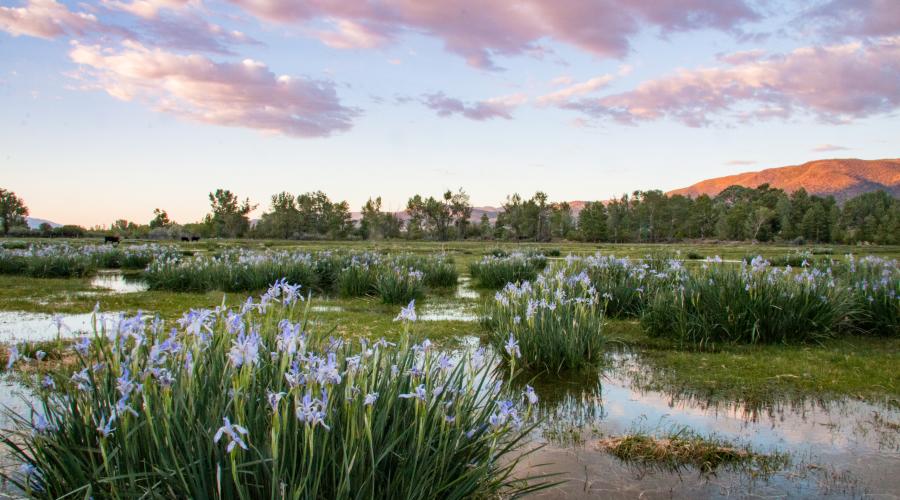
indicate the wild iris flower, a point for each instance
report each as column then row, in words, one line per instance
column 407, row 313
column 40, row 424
column 245, row 350
column 311, row 411
column 420, row 394
column 234, row 433
column 82, row 380
column 13, row 356
column 83, row 346
column 274, row 398
column 530, row 395
column 512, row 347
column 105, row 428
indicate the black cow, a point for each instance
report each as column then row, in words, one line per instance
column 185, row 238
column 111, row 239
column 195, row 238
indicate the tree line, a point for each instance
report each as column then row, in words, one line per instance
column 738, row 214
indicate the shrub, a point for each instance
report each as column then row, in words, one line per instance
column 207, row 412
column 553, row 323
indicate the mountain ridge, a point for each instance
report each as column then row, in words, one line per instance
column 842, row 178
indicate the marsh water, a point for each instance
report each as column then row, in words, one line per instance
column 17, row 326
column 837, row 447
column 116, row 282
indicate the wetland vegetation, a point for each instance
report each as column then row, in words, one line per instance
column 583, row 334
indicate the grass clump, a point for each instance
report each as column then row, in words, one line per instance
column 400, row 285
column 627, row 285
column 496, row 272
column 438, row 270
column 231, row 271
column 358, row 277
column 553, row 323
column 349, row 274
column 683, row 448
column 51, row 261
column 874, row 284
column 253, row 402
column 71, row 261
column 800, row 258
column 754, row 304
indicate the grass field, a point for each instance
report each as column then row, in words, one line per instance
column 857, row 366
column 756, row 376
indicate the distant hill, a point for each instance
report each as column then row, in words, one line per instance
column 841, row 178
column 34, row 222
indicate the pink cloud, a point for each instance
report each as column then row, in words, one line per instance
column 149, row 9
column 191, row 33
column 500, row 107
column 478, row 30
column 872, row 18
column 740, row 162
column 352, row 35
column 245, row 94
column 50, row 19
column 741, row 57
column 46, row 19
column 822, row 148
column 834, row 83
column 576, row 90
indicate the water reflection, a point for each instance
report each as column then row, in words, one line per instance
column 18, row 325
column 839, row 447
column 116, row 282
column 464, row 289
column 326, row 309
column 452, row 311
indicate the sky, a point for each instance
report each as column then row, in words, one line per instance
column 111, row 108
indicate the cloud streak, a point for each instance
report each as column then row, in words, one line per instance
column 149, row 9
column 501, row 107
column 479, row 31
column 576, row 90
column 857, row 18
column 244, row 94
column 822, row 148
column 180, row 29
column 835, row 84
column 48, row 19
column 190, row 33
